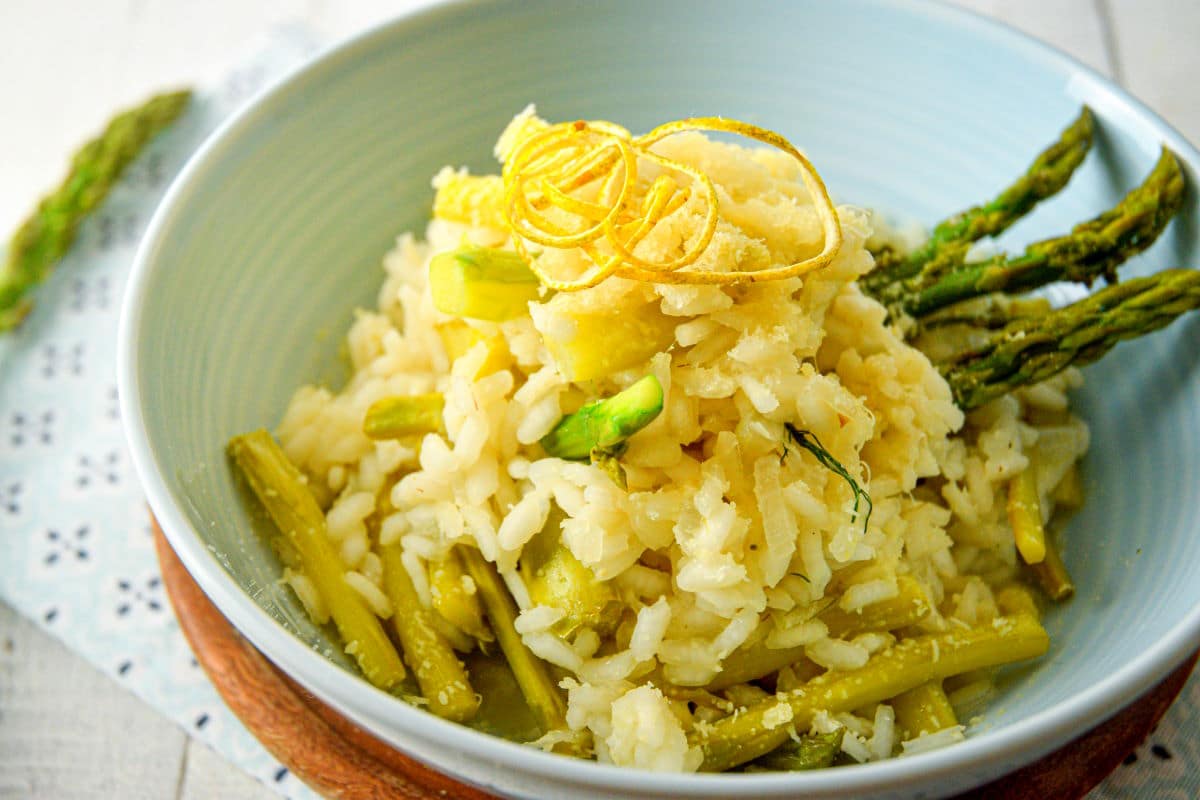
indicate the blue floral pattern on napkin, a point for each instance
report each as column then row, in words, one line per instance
column 74, row 526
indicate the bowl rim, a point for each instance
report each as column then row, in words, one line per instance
column 983, row 753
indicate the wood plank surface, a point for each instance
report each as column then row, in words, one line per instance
column 67, row 731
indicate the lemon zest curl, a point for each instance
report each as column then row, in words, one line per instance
column 588, row 172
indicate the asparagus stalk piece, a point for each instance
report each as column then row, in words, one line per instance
column 482, row 283
column 813, row 751
column 556, row 578
column 280, row 488
column 1025, row 516
column 443, row 681
column 393, row 417
column 538, row 687
column 605, row 425
column 925, row 709
column 1049, row 173
column 761, row 728
column 47, row 235
column 1030, row 350
column 1016, row 599
column 456, row 600
column 1052, row 575
column 1091, row 250
column 755, row 660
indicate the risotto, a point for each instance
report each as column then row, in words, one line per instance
column 800, row 552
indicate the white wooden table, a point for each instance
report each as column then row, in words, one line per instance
column 66, row 731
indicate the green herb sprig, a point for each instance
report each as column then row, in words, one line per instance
column 809, row 441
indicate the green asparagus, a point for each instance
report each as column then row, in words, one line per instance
column 1032, row 349
column 755, row 659
column 1049, row 173
column 556, row 578
column 544, row 699
column 393, row 417
column 278, row 485
column 603, row 426
column 47, row 235
column 456, row 601
column 1092, row 250
column 813, row 751
column 443, row 681
column 924, row 710
column 1052, row 575
column 758, row 730
column 482, row 283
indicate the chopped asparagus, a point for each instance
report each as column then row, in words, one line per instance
column 1025, row 516
column 443, row 681
column 278, row 485
column 605, row 425
column 532, row 674
column 482, row 283
column 1052, row 575
column 597, row 345
column 812, row 751
column 752, row 662
column 1015, row 599
column 1030, row 350
column 1049, row 173
column 47, row 235
column 502, row 708
column 460, row 608
column 556, row 578
column 1091, row 250
column 760, row 729
column 393, row 417
column 925, row 709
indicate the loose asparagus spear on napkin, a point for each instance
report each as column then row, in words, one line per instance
column 47, row 235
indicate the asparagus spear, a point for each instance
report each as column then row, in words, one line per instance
column 1030, row 350
column 403, row 415
column 814, row 751
column 1052, row 575
column 1092, row 249
column 555, row 577
column 604, row 425
column 443, row 681
column 457, row 602
column 46, row 236
column 758, row 730
column 1049, row 173
column 1025, row 516
column 482, row 283
column 280, row 488
column 925, row 709
column 532, row 675
column 755, row 660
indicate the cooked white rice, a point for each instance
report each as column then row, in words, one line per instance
column 717, row 539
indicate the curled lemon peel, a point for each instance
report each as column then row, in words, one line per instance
column 545, row 175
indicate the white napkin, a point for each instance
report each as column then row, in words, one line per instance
column 74, row 526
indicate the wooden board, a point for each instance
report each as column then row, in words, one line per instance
column 340, row 760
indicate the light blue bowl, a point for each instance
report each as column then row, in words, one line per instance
column 274, row 233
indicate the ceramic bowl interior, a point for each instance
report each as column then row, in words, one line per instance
column 274, row 234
